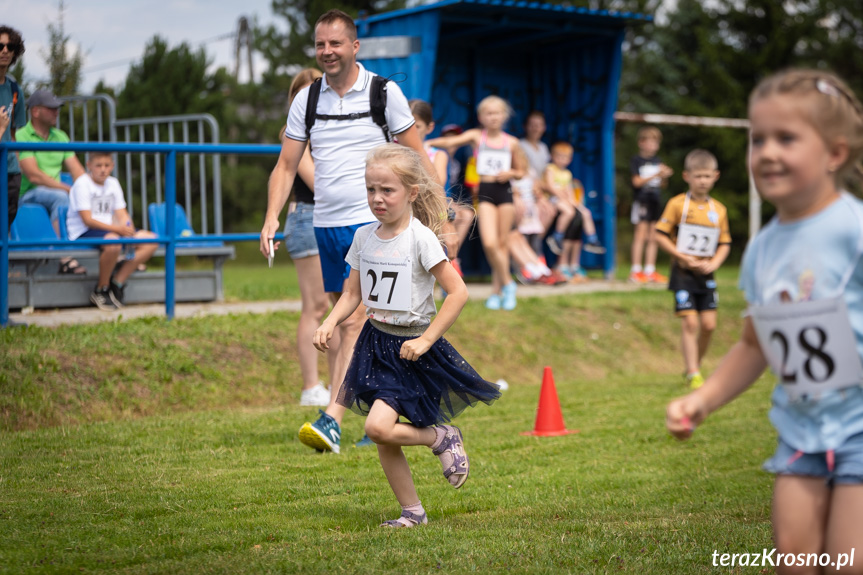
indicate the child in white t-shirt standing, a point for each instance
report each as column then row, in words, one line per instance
column 97, row 209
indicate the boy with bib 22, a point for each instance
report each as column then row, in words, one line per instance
column 401, row 366
column 694, row 230
column 804, row 284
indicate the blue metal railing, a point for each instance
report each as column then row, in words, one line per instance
column 169, row 240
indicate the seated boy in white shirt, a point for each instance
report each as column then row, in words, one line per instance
column 96, row 204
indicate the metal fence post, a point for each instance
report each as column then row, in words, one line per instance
column 171, row 231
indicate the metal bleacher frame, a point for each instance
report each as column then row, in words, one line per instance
column 91, row 119
column 41, row 250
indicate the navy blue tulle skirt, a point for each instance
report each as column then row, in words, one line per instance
column 432, row 390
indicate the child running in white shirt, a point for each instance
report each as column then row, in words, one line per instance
column 804, row 284
column 401, row 365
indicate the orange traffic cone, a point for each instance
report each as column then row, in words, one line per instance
column 549, row 419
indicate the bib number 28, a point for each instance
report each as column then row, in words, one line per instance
column 816, row 363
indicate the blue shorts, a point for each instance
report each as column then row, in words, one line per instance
column 847, row 467
column 90, row 233
column 299, row 231
column 333, row 246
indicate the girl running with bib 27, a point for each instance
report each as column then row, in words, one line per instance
column 803, row 282
column 401, row 365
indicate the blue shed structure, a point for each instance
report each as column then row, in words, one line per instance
column 563, row 61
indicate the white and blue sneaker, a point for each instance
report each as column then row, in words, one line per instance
column 322, row 435
column 508, row 292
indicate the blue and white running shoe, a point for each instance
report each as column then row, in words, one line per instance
column 323, row 435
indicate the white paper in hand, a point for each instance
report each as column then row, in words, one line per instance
column 272, row 254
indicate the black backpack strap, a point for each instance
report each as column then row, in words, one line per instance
column 353, row 116
column 312, row 108
column 378, row 102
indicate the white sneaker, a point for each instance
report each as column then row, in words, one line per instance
column 502, row 384
column 317, row 396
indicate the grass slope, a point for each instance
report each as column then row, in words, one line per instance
column 156, row 447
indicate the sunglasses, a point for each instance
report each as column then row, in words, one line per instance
column 12, row 47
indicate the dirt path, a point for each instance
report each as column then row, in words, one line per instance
column 51, row 318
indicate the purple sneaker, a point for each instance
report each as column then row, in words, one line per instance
column 453, row 457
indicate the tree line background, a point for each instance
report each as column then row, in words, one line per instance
column 696, row 58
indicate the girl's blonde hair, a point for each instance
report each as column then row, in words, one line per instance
column 430, row 206
column 831, row 108
column 303, row 78
column 492, row 100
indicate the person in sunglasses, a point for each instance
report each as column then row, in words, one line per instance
column 12, row 102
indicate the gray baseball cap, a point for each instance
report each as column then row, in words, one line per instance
column 45, row 99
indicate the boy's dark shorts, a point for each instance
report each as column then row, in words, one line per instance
column 646, row 208
column 687, row 302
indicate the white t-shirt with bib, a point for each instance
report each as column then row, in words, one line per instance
column 422, row 250
column 100, row 201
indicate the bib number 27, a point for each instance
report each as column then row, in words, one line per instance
column 392, row 276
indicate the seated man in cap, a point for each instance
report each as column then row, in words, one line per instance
column 40, row 182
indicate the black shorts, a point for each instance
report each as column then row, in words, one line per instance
column 646, row 208
column 14, row 189
column 686, row 302
column 575, row 229
column 495, row 193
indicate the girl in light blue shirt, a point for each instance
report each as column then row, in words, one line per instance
column 804, row 285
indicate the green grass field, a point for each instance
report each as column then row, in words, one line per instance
column 149, row 446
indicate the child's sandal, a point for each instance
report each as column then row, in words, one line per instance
column 71, row 267
column 453, row 458
column 407, row 519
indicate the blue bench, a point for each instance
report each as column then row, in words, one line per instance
column 34, row 280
